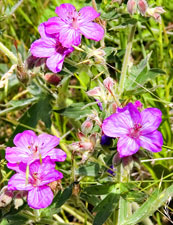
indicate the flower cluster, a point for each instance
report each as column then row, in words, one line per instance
column 59, row 34
column 33, row 158
column 134, row 129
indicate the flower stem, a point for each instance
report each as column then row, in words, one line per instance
column 7, row 52
column 126, row 58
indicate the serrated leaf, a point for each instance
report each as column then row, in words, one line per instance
column 105, row 208
column 154, row 202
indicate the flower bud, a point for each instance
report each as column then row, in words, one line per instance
column 138, row 104
column 108, row 83
column 87, row 126
column 6, row 196
column 95, row 92
column 52, row 78
column 155, row 13
column 131, row 6
column 142, row 6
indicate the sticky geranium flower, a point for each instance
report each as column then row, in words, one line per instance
column 40, row 175
column 71, row 24
column 49, row 46
column 29, row 147
column 134, row 129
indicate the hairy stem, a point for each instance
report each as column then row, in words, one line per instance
column 126, row 58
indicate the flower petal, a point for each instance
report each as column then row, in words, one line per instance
column 48, row 141
column 69, row 36
column 54, row 25
column 41, row 29
column 66, row 12
column 40, row 197
column 92, row 31
column 50, row 176
column 151, row 119
column 55, row 62
column 25, row 139
column 43, row 47
column 87, row 14
column 56, row 154
column 127, row 146
column 117, row 124
column 18, row 167
column 17, row 154
column 152, row 141
column 18, row 182
column 134, row 113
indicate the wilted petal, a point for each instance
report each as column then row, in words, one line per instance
column 117, row 124
column 127, row 146
column 69, row 36
column 55, row 62
column 152, row 141
column 92, row 31
column 43, row 47
column 18, row 182
column 151, row 119
column 66, row 12
column 87, row 14
column 40, row 197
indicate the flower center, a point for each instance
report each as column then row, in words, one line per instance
column 35, row 180
column 135, row 131
column 59, row 48
column 75, row 23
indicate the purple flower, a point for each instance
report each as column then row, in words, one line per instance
column 29, row 147
column 105, row 140
column 40, row 175
column 48, row 46
column 135, row 129
column 71, row 24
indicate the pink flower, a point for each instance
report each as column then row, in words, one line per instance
column 40, row 175
column 131, row 6
column 29, row 147
column 49, row 46
column 134, row 129
column 142, row 6
column 71, row 24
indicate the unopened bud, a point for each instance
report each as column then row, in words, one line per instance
column 108, row 83
column 18, row 200
column 6, row 197
column 87, row 126
column 138, row 104
column 52, row 78
column 142, row 6
column 131, row 6
column 155, row 13
column 95, row 92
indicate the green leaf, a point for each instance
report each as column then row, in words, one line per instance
column 66, row 194
column 100, row 189
column 154, row 202
column 105, row 208
column 90, row 170
column 74, row 111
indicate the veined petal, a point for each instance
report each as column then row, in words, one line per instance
column 47, row 141
column 56, row 154
column 134, row 113
column 41, row 29
column 127, row 146
column 50, row 176
column 17, row 154
column 151, row 119
column 54, row 25
column 25, row 138
column 40, row 197
column 92, row 31
column 55, row 62
column 43, row 47
column 18, row 182
column 152, row 141
column 66, row 12
column 69, row 36
column 87, row 14
column 118, row 124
